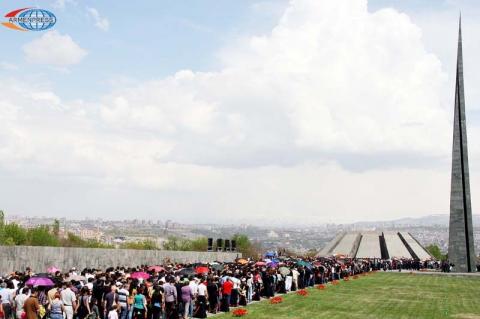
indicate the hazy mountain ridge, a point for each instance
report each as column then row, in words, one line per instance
column 429, row 220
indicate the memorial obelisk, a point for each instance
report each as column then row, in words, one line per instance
column 460, row 242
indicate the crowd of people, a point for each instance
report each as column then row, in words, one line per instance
column 168, row 291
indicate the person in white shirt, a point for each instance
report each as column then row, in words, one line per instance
column 69, row 301
column 8, row 295
column 295, row 275
column 113, row 314
column 250, row 288
column 202, row 289
column 194, row 287
column 20, row 300
column 235, row 291
column 202, row 297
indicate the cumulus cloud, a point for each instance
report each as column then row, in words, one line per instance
column 331, row 78
column 277, row 130
column 54, row 49
column 101, row 23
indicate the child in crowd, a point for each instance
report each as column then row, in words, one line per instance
column 113, row 313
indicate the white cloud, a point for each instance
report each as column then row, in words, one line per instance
column 61, row 4
column 330, row 78
column 54, row 49
column 277, row 131
column 100, row 22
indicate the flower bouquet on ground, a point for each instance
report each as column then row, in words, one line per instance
column 346, row 278
column 302, row 292
column 276, row 300
column 335, row 282
column 240, row 312
column 321, row 287
column 355, row 277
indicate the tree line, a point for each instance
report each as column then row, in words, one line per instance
column 12, row 234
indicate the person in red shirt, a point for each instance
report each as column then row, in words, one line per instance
column 226, row 292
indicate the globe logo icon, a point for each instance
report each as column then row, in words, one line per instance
column 36, row 19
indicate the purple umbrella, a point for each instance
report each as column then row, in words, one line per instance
column 40, row 281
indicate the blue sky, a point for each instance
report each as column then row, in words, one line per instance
column 146, row 39
column 235, row 108
column 152, row 39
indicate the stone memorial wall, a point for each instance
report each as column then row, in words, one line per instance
column 14, row 258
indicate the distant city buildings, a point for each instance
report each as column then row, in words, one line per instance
column 428, row 230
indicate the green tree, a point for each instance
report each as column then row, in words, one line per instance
column 246, row 246
column 73, row 240
column 182, row 244
column 435, row 251
column 142, row 245
column 56, row 227
column 172, row 243
column 2, row 218
column 199, row 244
column 14, row 234
column 41, row 236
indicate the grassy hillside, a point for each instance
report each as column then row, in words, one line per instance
column 380, row 295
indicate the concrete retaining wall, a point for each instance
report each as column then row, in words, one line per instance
column 14, row 258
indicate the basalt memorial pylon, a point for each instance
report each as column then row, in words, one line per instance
column 461, row 251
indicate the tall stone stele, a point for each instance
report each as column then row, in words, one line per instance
column 460, row 242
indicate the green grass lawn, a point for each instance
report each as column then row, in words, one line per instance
column 380, row 295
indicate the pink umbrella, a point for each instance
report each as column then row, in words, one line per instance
column 156, row 268
column 139, row 274
column 52, row 269
column 260, row 263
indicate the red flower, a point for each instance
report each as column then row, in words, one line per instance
column 302, row 292
column 321, row 287
column 240, row 312
column 335, row 282
column 276, row 300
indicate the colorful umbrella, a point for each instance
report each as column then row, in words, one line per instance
column 270, row 254
column 42, row 275
column 217, row 267
column 242, row 261
column 52, row 269
column 139, row 275
column 304, row 264
column 202, row 270
column 272, row 264
column 260, row 263
column 186, row 272
column 40, row 281
column 156, row 268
